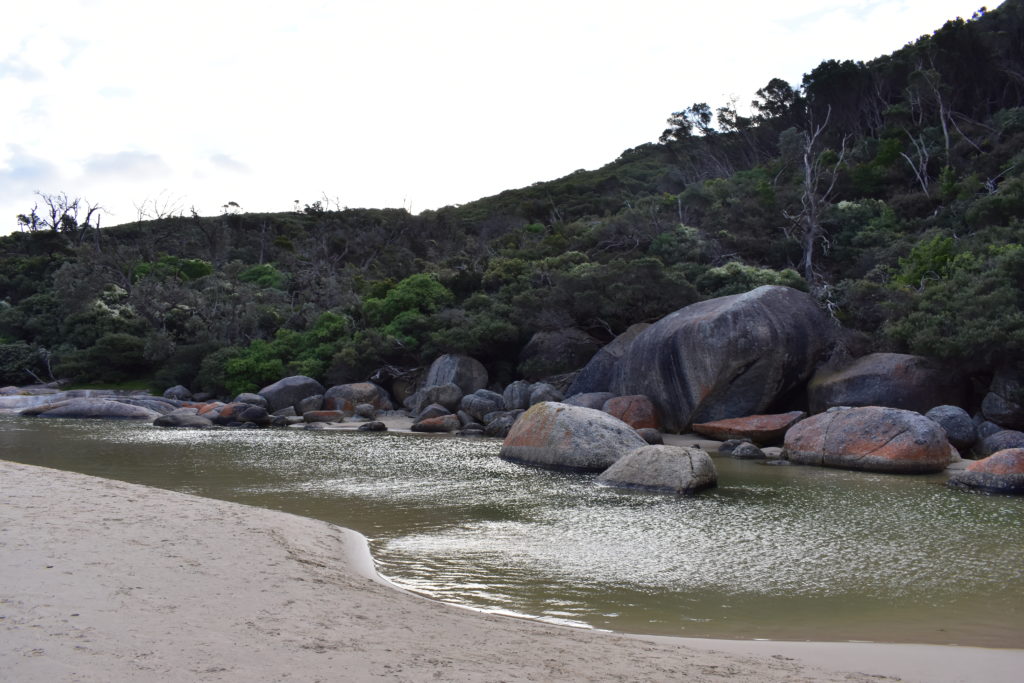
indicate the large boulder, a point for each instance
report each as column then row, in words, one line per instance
column 666, row 469
column 93, row 408
column 893, row 380
column 289, row 392
column 597, row 375
column 960, row 428
column 637, row 411
column 1001, row 472
column 554, row 352
column 467, row 373
column 1004, row 403
column 558, row 436
column 348, row 396
column 870, row 438
column 725, row 357
column 762, row 429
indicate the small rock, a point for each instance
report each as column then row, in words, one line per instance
column 747, row 451
column 651, row 436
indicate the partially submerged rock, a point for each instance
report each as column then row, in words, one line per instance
column 560, row 436
column 1001, row 472
column 747, row 451
column 183, row 420
column 870, row 438
column 665, row 469
column 93, row 409
column 762, row 429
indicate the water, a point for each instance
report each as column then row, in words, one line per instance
column 780, row 552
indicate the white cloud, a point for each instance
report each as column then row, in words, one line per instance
column 126, row 166
column 21, row 176
column 397, row 103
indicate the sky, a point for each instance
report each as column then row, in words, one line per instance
column 147, row 105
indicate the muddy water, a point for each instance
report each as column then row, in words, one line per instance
column 779, row 552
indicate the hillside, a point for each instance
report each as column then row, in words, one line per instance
column 892, row 190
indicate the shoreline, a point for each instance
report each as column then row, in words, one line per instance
column 105, row 580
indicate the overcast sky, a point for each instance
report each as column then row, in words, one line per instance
column 395, row 103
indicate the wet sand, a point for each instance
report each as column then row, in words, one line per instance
column 108, row 581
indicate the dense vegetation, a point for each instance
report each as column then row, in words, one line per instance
column 892, row 190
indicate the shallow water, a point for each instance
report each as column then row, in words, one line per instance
column 779, row 552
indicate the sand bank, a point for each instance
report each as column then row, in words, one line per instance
column 107, row 581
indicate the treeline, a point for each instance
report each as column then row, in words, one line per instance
column 893, row 190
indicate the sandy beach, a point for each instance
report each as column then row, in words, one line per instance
column 107, row 581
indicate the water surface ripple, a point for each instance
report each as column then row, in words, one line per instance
column 774, row 552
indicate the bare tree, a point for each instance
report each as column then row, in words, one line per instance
column 820, row 172
column 61, row 213
column 159, row 207
column 918, row 164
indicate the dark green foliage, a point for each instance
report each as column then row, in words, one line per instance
column 917, row 198
column 21, row 363
column 736, row 278
column 264, row 276
column 115, row 357
column 974, row 314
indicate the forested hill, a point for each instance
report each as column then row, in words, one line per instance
column 893, row 190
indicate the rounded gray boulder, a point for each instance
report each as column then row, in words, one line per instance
column 558, row 436
column 290, row 391
column 959, row 426
column 467, row 373
column 666, row 469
